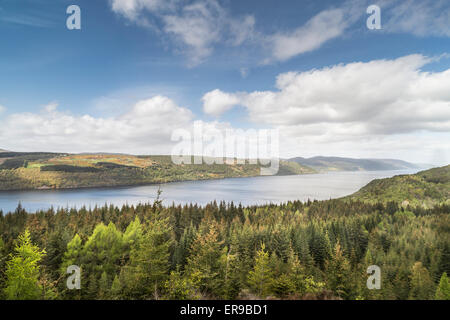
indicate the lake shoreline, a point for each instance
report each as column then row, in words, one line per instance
column 125, row 186
column 245, row 190
column 122, row 186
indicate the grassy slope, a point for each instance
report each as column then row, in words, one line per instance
column 42, row 171
column 425, row 188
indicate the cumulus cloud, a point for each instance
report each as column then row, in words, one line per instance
column 217, row 102
column 145, row 129
column 361, row 103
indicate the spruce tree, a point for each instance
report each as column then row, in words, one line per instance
column 422, row 286
column 22, row 270
column 443, row 289
column 261, row 277
column 149, row 261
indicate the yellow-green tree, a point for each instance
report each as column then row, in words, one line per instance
column 443, row 289
column 261, row 277
column 148, row 267
column 205, row 264
column 22, row 270
column 339, row 277
column 421, row 283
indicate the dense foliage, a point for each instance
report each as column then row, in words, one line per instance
column 425, row 188
column 313, row 250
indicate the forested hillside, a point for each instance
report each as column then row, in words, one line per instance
column 425, row 188
column 313, row 250
column 25, row 171
column 325, row 164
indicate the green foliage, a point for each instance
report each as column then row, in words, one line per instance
column 313, row 250
column 116, row 289
column 22, row 270
column 421, row 284
column 260, row 279
column 204, row 264
column 443, row 289
column 426, row 188
column 148, row 267
column 339, row 274
column 179, row 287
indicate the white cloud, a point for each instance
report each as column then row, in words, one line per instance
column 418, row 17
column 2, row 109
column 321, row 28
column 51, row 107
column 350, row 103
column 145, row 129
column 132, row 9
column 196, row 27
column 381, row 96
column 217, row 102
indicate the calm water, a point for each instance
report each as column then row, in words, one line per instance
column 258, row 190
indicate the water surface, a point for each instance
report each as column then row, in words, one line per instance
column 248, row 191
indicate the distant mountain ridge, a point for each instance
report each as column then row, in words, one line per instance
column 324, row 164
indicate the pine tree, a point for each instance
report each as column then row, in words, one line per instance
column 443, row 289
column 421, row 283
column 338, row 271
column 149, row 261
column 103, row 286
column 73, row 254
column 204, row 264
column 103, row 250
column 179, row 287
column 232, row 275
column 260, row 278
column 72, row 257
column 22, row 270
column 116, row 288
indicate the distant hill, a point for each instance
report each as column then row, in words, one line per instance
column 350, row 164
column 38, row 170
column 425, row 188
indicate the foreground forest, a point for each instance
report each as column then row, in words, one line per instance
column 27, row 171
column 312, row 250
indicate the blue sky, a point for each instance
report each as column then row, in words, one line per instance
column 131, row 51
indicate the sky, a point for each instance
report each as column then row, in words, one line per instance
column 138, row 70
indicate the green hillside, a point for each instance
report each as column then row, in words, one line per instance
column 325, row 164
column 26, row 171
column 425, row 188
